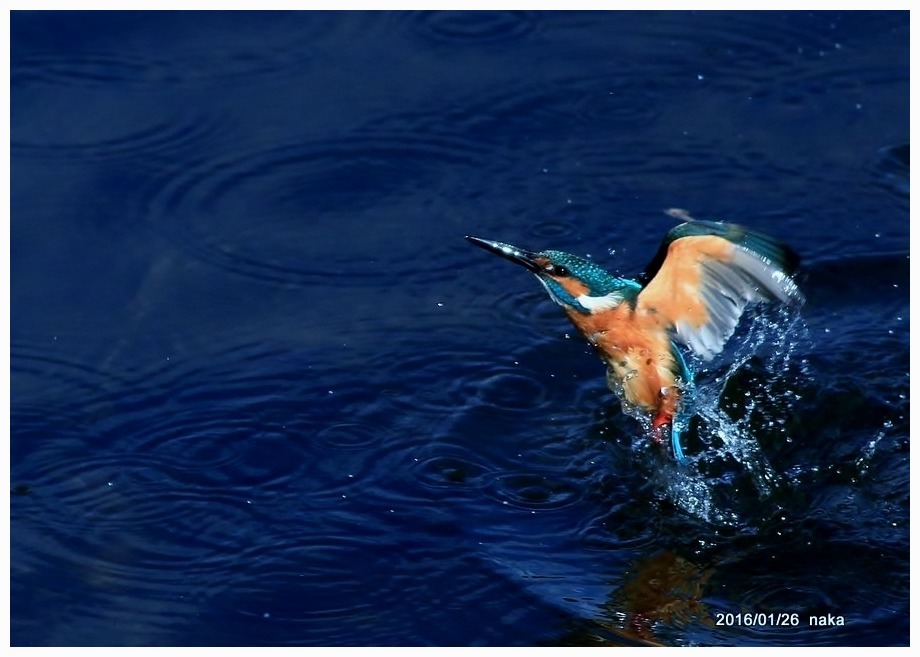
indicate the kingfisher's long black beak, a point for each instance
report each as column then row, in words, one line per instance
column 514, row 254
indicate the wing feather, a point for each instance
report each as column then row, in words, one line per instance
column 706, row 276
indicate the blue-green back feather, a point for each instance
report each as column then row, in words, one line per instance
column 768, row 247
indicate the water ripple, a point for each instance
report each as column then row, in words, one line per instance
column 472, row 27
column 350, row 435
column 515, row 114
column 533, row 491
column 452, row 467
column 39, row 370
column 307, row 213
column 519, row 391
column 156, row 141
column 169, row 448
column 553, row 230
column 442, row 382
column 892, row 166
column 238, row 58
column 88, row 70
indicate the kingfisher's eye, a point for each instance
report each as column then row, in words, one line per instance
column 558, row 270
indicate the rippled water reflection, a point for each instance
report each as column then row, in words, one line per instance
column 263, row 392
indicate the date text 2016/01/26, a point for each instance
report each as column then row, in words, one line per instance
column 781, row 619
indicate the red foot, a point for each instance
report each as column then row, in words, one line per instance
column 661, row 429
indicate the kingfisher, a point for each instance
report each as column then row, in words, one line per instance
column 691, row 295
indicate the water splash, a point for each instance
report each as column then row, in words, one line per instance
column 739, row 402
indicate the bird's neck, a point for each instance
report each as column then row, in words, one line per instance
column 606, row 295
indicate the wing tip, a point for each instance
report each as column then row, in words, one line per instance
column 770, row 276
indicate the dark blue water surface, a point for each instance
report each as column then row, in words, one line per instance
column 263, row 392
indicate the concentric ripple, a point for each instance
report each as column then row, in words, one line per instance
column 179, row 457
column 893, row 168
column 553, row 230
column 452, row 467
column 533, row 491
column 224, row 53
column 234, row 477
column 313, row 212
column 42, row 372
column 472, row 27
column 514, row 114
column 87, row 70
column 116, row 109
column 156, row 141
column 350, row 435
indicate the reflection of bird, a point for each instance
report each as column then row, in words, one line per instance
column 693, row 292
column 662, row 588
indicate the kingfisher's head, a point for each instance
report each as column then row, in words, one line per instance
column 572, row 282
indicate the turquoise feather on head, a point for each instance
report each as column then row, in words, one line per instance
column 602, row 289
column 572, row 282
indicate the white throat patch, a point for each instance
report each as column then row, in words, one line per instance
column 596, row 304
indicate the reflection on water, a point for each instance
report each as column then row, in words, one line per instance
column 664, row 588
column 262, row 394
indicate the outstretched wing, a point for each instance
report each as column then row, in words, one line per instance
column 706, row 273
